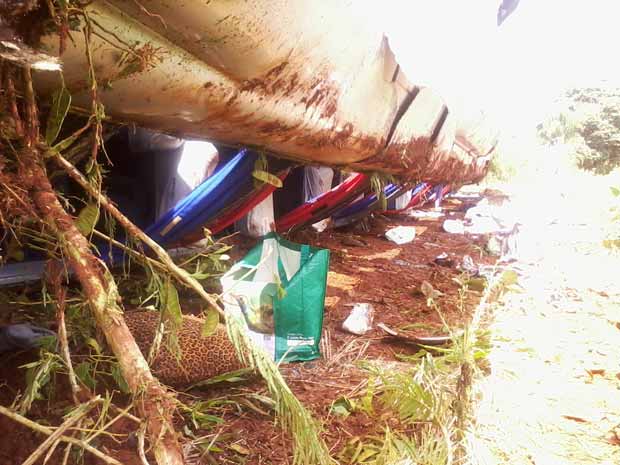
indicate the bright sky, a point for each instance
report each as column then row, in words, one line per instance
column 514, row 71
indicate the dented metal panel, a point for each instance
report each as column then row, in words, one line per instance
column 311, row 81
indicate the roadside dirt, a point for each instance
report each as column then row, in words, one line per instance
column 553, row 393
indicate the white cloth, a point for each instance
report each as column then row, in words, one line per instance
column 197, row 163
column 317, row 180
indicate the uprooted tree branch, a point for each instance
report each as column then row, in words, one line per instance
column 99, row 289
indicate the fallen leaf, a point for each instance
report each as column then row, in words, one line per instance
column 477, row 284
column 429, row 291
column 613, row 437
column 577, row 419
column 596, row 371
column 239, row 449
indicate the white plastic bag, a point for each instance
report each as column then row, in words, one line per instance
column 259, row 221
column 401, row 234
column 360, row 319
column 454, row 227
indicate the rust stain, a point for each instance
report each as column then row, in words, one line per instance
column 330, row 108
column 285, row 81
column 401, row 158
column 274, row 127
column 292, row 84
column 270, row 83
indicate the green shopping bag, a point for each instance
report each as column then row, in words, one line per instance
column 279, row 290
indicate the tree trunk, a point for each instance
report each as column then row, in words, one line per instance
column 153, row 400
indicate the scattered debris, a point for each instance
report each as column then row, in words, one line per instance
column 574, row 418
column 409, row 264
column 444, row 260
column 468, row 266
column 476, row 284
column 359, row 321
column 401, row 234
column 454, row 227
column 596, row 371
column 420, row 340
column 425, row 215
column 352, row 241
column 494, row 245
column 429, row 291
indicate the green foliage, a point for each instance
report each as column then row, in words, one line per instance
column 85, row 373
column 590, row 122
column 394, row 448
column 502, row 167
column 87, row 219
column 61, row 101
column 202, row 414
column 38, row 377
column 421, row 398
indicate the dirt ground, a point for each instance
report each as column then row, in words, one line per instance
column 364, row 267
column 550, row 396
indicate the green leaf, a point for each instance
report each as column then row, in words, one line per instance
column 366, row 403
column 230, row 377
column 94, row 345
column 267, row 177
column 66, row 143
column 477, row 284
column 367, row 453
column 510, row 277
column 281, row 292
column 61, row 101
column 205, row 420
column 342, row 406
column 84, row 372
column 615, row 191
column 172, row 308
column 239, row 449
column 48, row 343
column 87, row 219
column 120, row 379
column 38, row 376
column 357, row 451
column 211, row 320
